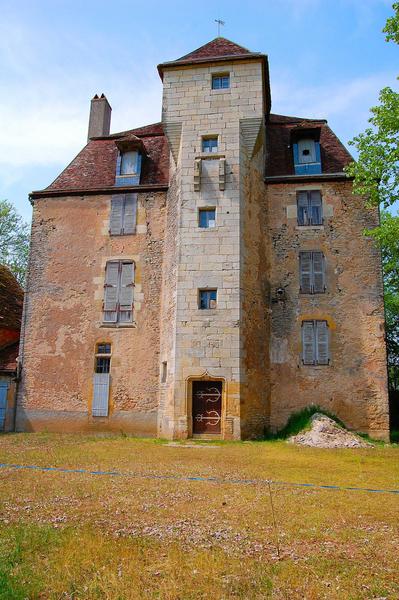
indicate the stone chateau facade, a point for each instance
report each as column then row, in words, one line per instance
column 203, row 276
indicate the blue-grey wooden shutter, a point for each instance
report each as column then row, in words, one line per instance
column 116, row 216
column 306, row 151
column 316, row 208
column 305, row 267
column 111, row 292
column 308, row 343
column 303, row 210
column 322, row 354
column 318, row 273
column 129, row 218
column 126, row 292
column 129, row 162
column 3, row 402
column 100, row 394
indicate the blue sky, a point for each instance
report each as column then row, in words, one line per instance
column 328, row 59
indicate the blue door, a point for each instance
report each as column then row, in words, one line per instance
column 3, row 403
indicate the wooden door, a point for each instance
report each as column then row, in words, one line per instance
column 207, row 407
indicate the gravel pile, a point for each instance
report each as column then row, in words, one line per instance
column 326, row 433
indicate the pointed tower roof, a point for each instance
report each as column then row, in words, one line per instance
column 220, row 46
column 217, row 50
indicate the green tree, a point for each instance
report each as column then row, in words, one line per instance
column 387, row 237
column 14, row 240
column 376, row 172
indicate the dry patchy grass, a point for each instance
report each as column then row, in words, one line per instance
column 70, row 535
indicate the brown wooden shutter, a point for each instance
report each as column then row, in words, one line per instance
column 129, row 218
column 126, row 292
column 305, row 269
column 111, row 292
column 116, row 216
column 322, row 354
column 308, row 343
column 318, row 272
column 303, row 210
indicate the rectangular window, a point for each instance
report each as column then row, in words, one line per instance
column 221, row 82
column 207, row 218
column 122, row 220
column 315, row 343
column 101, row 380
column 207, row 299
column 312, row 272
column 118, row 292
column 129, row 162
column 210, row 144
column 310, row 210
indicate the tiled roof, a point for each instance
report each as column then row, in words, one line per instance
column 8, row 358
column 279, row 155
column 11, row 300
column 220, row 46
column 95, row 165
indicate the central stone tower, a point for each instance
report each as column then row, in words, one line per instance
column 213, row 380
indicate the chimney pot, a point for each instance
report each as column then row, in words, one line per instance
column 100, row 117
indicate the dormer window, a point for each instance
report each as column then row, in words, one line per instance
column 128, row 163
column 306, row 150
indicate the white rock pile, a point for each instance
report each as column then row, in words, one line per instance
column 326, row 433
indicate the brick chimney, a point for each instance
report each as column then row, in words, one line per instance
column 100, row 117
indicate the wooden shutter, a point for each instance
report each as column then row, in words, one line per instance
column 115, row 221
column 307, row 146
column 100, row 394
column 305, row 268
column 308, row 343
column 318, row 273
column 322, row 354
column 111, row 292
column 129, row 219
column 303, row 208
column 126, row 291
column 316, row 208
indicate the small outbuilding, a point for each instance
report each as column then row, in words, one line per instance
column 11, row 303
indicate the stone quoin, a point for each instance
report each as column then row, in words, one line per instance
column 203, row 276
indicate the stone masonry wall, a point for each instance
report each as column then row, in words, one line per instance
column 254, row 289
column 70, row 247
column 354, row 385
column 208, row 341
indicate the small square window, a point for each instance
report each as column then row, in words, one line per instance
column 210, row 144
column 207, row 299
column 207, row 218
column 221, row 82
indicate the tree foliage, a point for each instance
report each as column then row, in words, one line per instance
column 376, row 172
column 387, row 237
column 14, row 240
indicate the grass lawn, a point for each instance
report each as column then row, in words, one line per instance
column 80, row 536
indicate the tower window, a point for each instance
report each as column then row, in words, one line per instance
column 310, row 210
column 207, row 218
column 210, row 144
column 103, row 358
column 221, row 82
column 207, row 299
column 312, row 272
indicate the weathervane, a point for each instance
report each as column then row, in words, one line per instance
column 220, row 23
